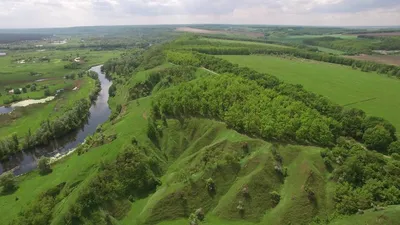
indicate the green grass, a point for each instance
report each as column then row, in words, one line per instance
column 245, row 42
column 14, row 73
column 183, row 148
column 17, row 75
column 341, row 84
column 75, row 168
column 25, row 118
column 389, row 216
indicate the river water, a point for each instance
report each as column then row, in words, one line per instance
column 24, row 162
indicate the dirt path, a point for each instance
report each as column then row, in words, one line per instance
column 209, row 71
column 144, row 115
column 78, row 83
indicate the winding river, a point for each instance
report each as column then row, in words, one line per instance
column 24, row 162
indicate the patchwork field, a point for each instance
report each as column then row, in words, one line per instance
column 374, row 93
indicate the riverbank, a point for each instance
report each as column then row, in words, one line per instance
column 99, row 113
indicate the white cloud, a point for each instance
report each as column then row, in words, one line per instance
column 55, row 13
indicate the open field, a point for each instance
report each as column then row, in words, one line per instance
column 203, row 31
column 339, row 83
column 25, row 68
column 46, row 76
column 22, row 66
column 245, row 42
column 25, row 118
column 385, row 59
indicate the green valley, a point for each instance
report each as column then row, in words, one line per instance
column 209, row 129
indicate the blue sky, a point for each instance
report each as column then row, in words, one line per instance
column 63, row 13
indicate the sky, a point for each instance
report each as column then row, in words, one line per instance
column 66, row 13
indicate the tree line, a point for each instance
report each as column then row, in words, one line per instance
column 353, row 122
column 364, row 179
column 248, row 108
column 48, row 130
column 365, row 66
column 162, row 79
column 363, row 44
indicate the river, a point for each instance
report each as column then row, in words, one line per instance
column 26, row 161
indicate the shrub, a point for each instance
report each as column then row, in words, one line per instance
column 240, row 207
column 276, row 197
column 47, row 92
column 7, row 181
column 17, row 91
column 193, row 219
column 377, row 138
column 394, row 147
column 200, row 214
column 210, row 185
column 44, row 166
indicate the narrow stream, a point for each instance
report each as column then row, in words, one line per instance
column 24, row 162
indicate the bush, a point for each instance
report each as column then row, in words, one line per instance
column 377, row 138
column 7, row 181
column 112, row 90
column 17, row 91
column 210, row 185
column 275, row 197
column 394, row 147
column 47, row 92
column 44, row 166
column 33, row 88
column 396, row 156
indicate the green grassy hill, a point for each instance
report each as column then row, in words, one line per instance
column 190, row 167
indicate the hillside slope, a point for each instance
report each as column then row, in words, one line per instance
column 186, row 145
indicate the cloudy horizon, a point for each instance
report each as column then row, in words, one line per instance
column 69, row 13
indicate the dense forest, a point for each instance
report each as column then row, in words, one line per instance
column 6, row 38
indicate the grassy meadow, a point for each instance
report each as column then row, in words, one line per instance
column 15, row 72
column 375, row 94
column 25, row 118
column 245, row 42
column 45, row 74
